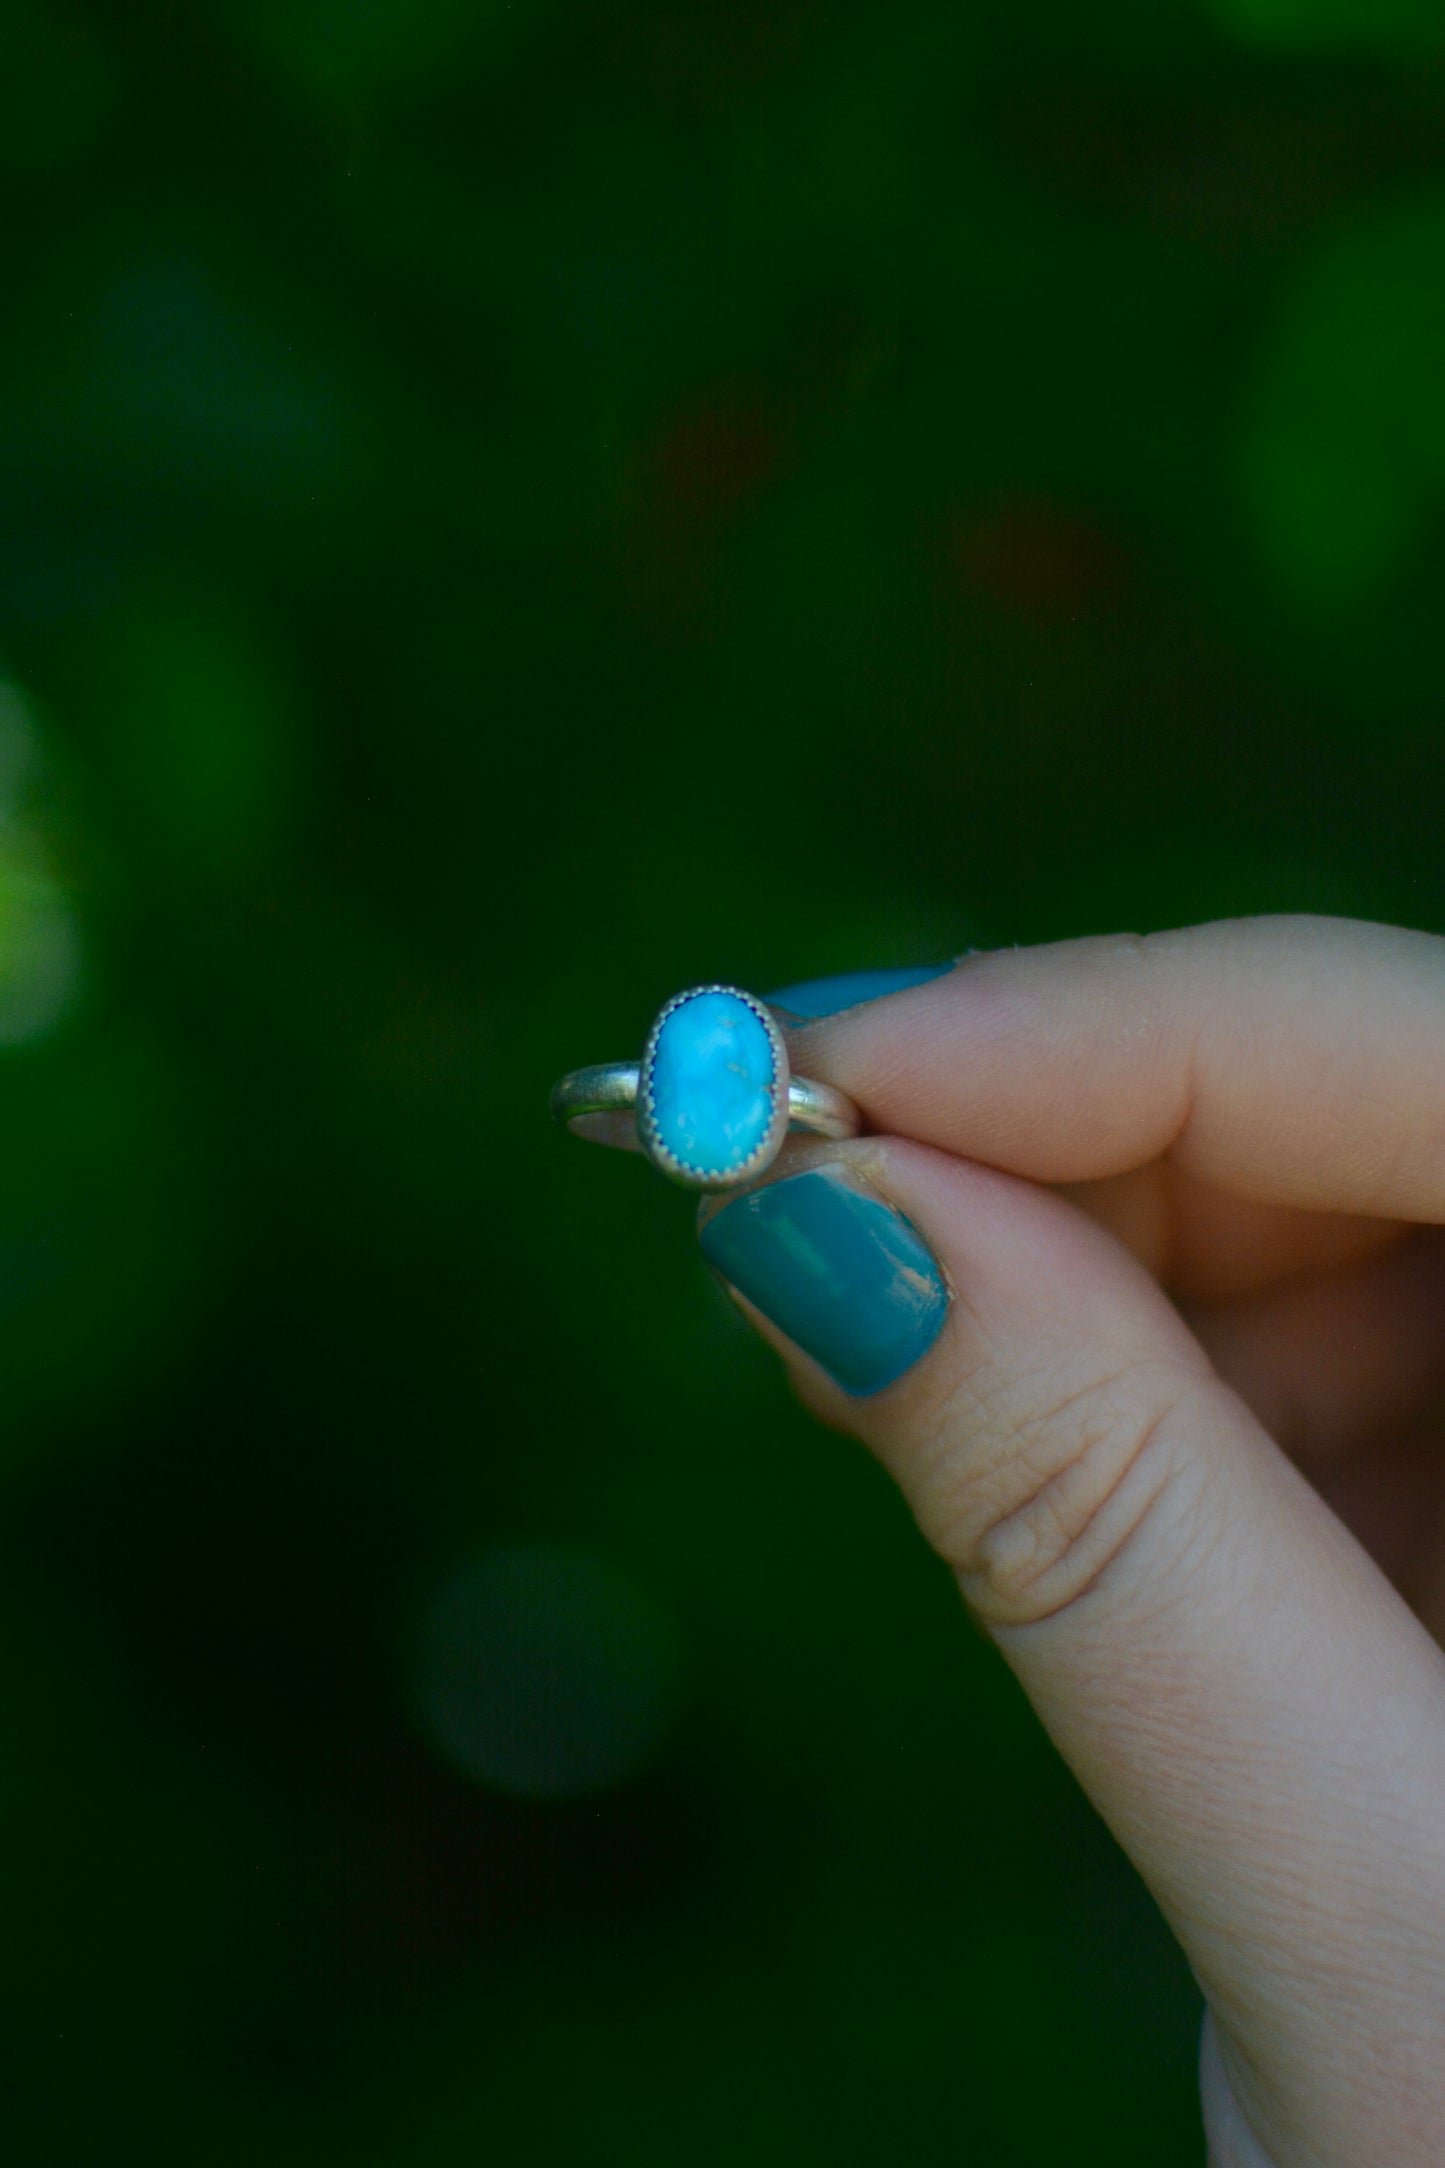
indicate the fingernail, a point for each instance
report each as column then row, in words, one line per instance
column 825, row 997
column 836, row 1269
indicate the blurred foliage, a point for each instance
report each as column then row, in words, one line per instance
column 510, row 510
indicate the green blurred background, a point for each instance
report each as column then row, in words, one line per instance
column 509, row 510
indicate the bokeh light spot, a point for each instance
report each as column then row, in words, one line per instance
column 546, row 1672
column 39, row 945
column 1029, row 556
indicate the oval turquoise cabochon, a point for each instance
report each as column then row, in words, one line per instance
column 712, row 1080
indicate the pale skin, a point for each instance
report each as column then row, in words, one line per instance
column 1182, row 1441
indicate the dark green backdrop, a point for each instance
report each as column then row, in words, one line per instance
column 509, row 508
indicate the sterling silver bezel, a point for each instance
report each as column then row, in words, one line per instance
column 765, row 1151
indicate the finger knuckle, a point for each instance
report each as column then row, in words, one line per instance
column 1047, row 1480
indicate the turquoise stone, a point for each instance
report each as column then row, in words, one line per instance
column 712, row 1079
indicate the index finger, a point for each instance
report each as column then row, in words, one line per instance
column 1293, row 1060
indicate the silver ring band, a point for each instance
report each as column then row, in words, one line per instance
column 610, row 1087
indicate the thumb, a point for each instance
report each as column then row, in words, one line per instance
column 1255, row 1712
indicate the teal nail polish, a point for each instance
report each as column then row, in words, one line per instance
column 837, row 1270
column 825, row 997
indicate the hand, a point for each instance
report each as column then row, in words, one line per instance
column 1154, row 1365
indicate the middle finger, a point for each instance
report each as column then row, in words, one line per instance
column 1205, row 1244
column 1340, row 1361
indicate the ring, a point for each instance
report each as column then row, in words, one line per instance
column 713, row 1096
